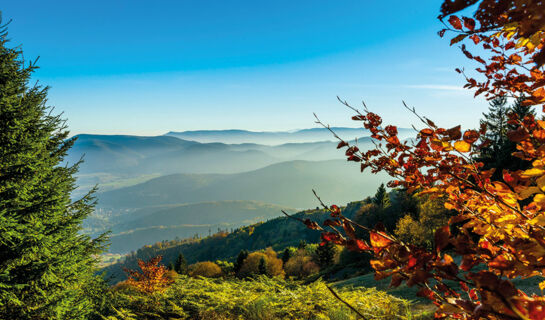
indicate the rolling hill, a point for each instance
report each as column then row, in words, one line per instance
column 286, row 184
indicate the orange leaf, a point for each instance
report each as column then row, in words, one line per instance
column 470, row 136
column 462, row 146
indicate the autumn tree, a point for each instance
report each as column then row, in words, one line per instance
column 301, row 265
column 498, row 229
column 151, row 278
column 206, row 269
column 47, row 263
column 271, row 264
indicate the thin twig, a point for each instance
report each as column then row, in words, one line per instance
column 346, row 303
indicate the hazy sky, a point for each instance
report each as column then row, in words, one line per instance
column 148, row 67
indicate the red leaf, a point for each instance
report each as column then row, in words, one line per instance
column 518, row 135
column 311, row 224
column 442, row 236
column 342, row 144
column 455, row 22
column 469, row 23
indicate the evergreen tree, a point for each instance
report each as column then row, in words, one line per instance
column 46, row 264
column 520, row 110
column 325, row 254
column 242, row 255
column 286, row 255
column 262, row 267
column 498, row 153
column 381, row 198
column 180, row 266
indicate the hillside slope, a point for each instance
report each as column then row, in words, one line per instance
column 151, row 225
column 277, row 233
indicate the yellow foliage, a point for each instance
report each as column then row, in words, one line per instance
column 273, row 265
column 206, row 269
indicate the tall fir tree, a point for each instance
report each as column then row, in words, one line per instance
column 47, row 264
column 498, row 152
column 381, row 198
column 262, row 267
column 180, row 266
column 242, row 255
column 520, row 110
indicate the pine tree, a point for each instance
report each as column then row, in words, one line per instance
column 498, row 153
column 46, row 263
column 325, row 254
column 180, row 266
column 242, row 255
column 262, row 267
column 381, row 198
column 520, row 110
column 286, row 255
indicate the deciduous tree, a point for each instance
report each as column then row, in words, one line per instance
column 498, row 231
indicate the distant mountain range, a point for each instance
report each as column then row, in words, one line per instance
column 269, row 138
column 147, row 185
column 274, row 138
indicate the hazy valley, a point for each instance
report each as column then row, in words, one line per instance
column 163, row 187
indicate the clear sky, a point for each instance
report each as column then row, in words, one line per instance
column 149, row 67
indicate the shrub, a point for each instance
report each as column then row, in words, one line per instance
column 206, row 269
column 301, row 265
column 273, row 265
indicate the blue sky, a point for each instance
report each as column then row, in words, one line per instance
column 148, row 67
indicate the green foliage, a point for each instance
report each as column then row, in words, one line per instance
column 286, row 255
column 262, row 267
column 242, row 255
column 180, row 266
column 381, row 198
column 262, row 298
column 325, row 254
column 420, row 230
column 227, row 268
column 46, row 264
column 278, row 233
column 498, row 153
